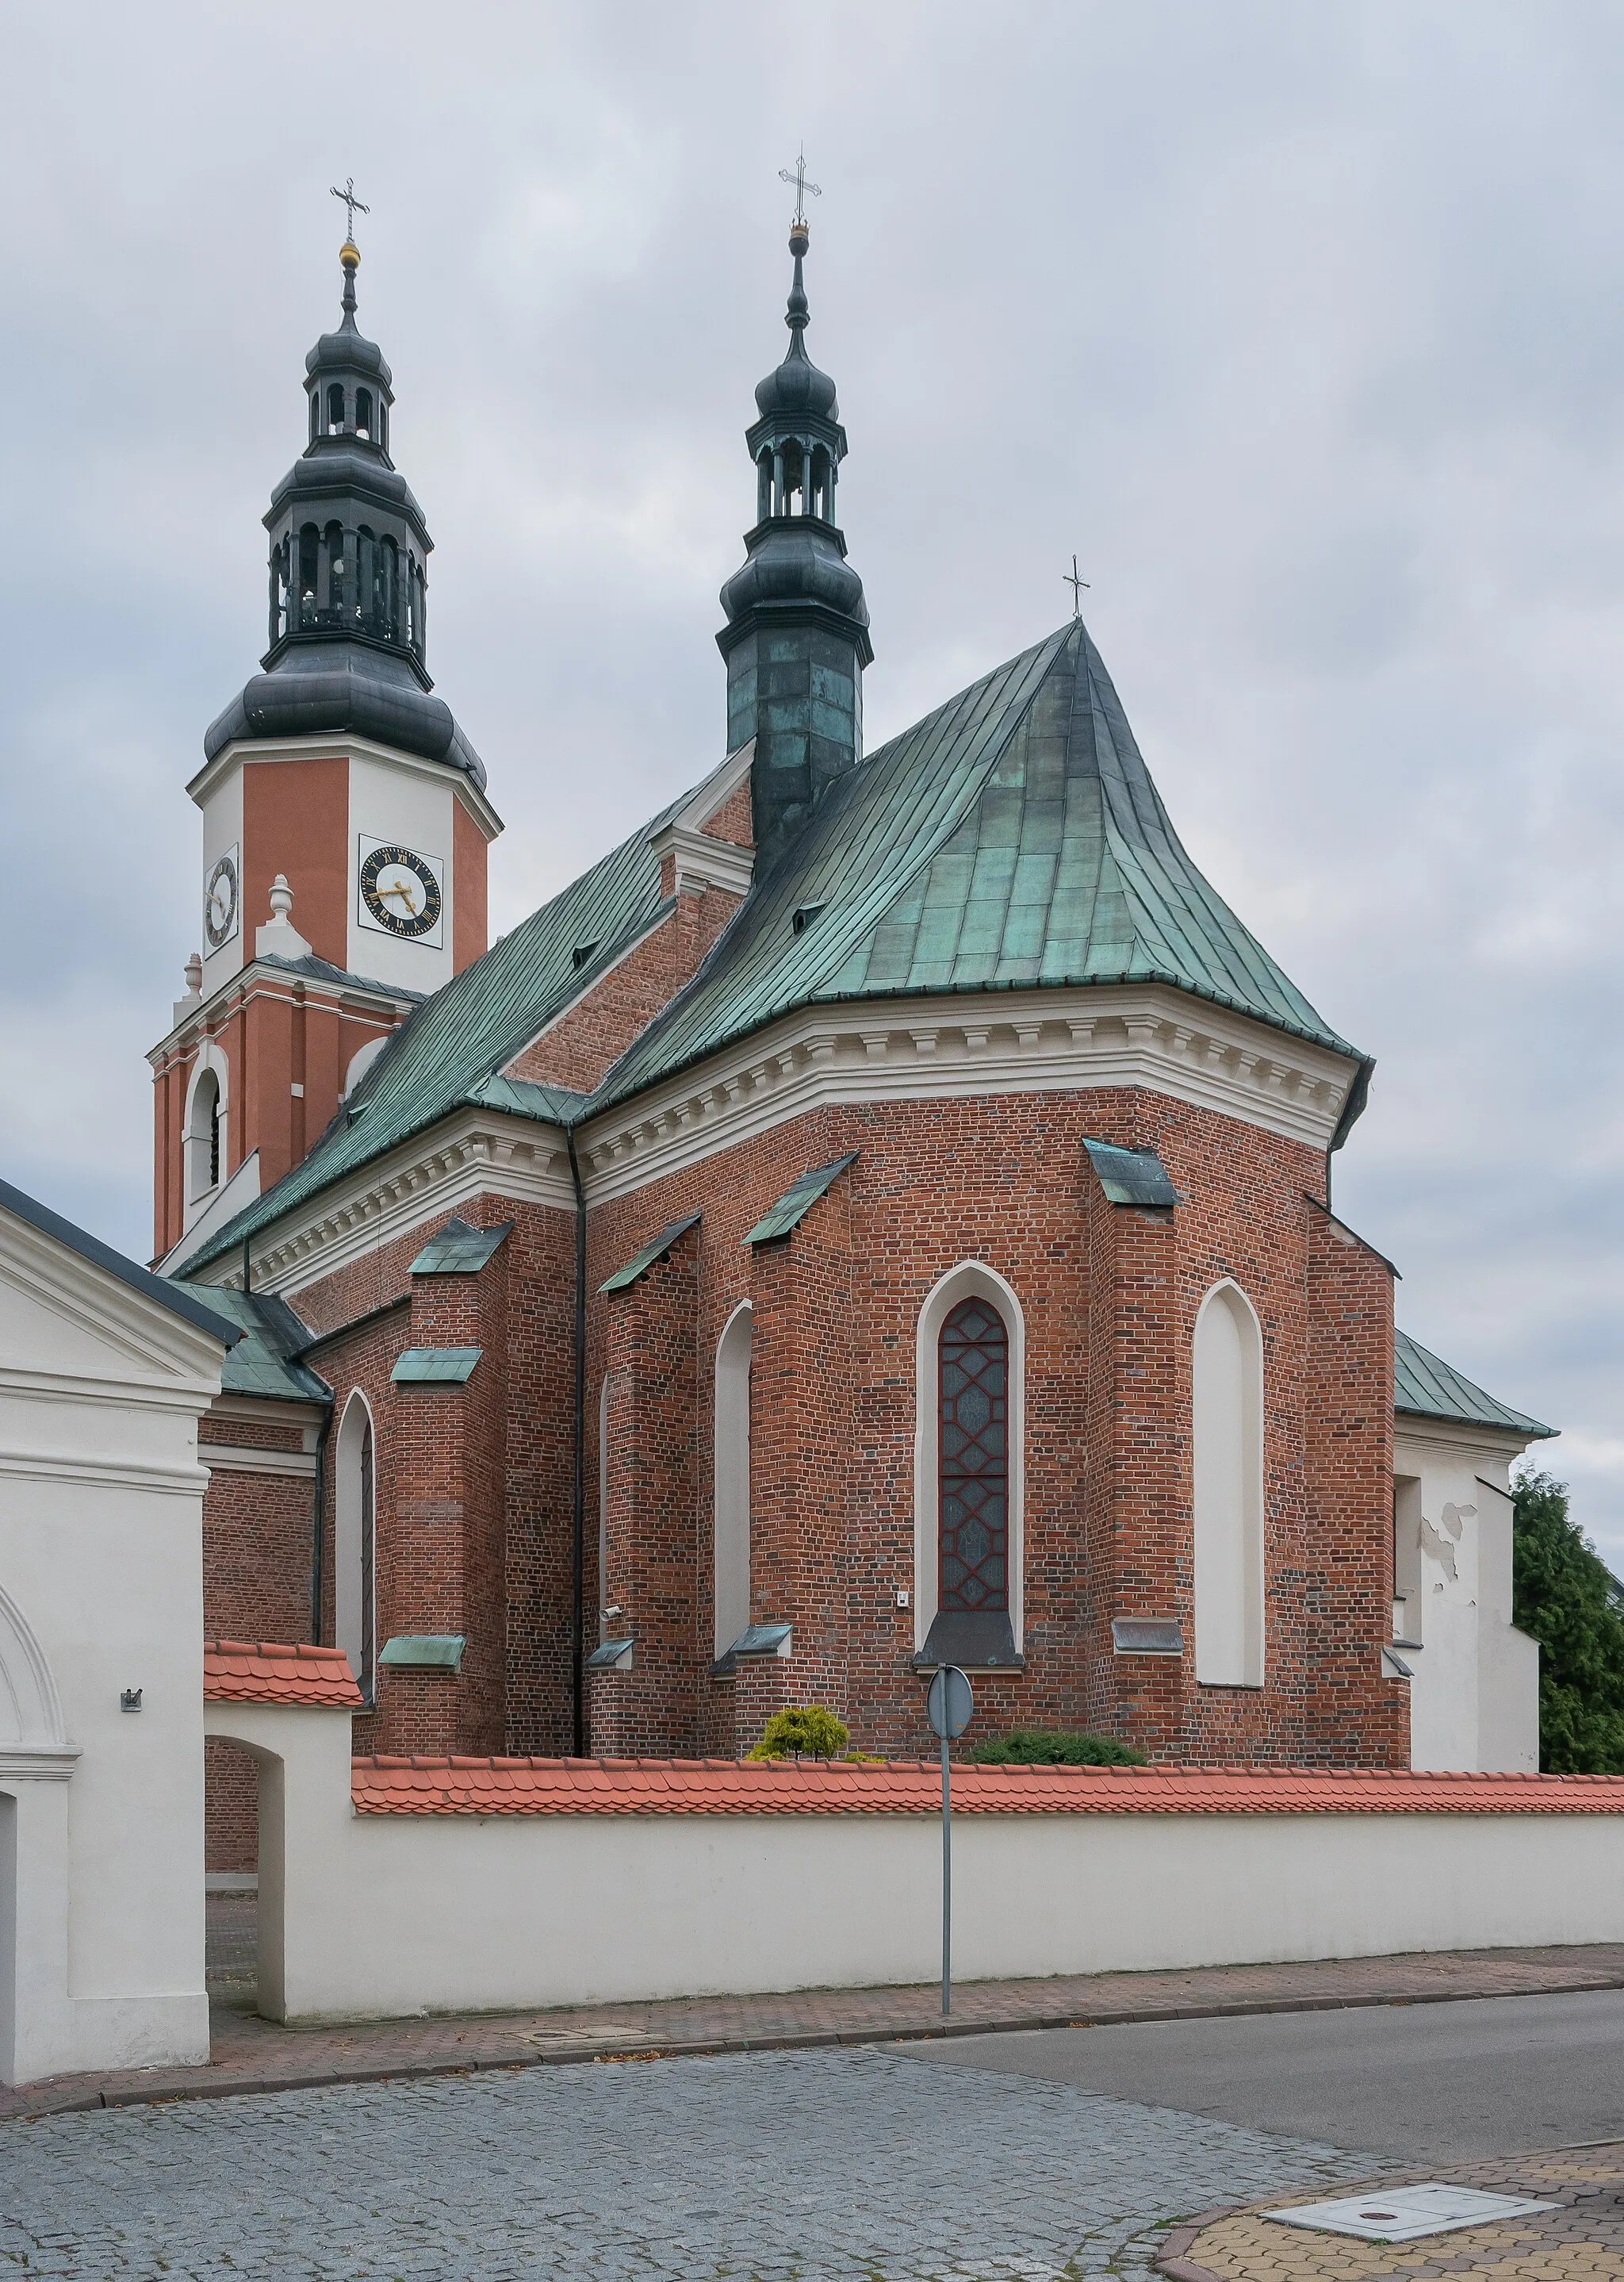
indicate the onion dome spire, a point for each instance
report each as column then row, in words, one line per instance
column 348, row 567
column 795, row 602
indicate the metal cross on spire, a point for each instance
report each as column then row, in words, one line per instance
column 804, row 190
column 352, row 205
column 1079, row 587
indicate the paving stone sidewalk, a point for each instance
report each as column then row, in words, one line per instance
column 775, row 2167
column 1582, row 2240
column 251, row 2055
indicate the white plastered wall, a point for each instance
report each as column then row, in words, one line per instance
column 1474, row 1698
column 391, row 1915
column 101, row 1552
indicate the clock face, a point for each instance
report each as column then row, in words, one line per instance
column 400, row 891
column 220, row 901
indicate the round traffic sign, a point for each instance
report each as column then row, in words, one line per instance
column 950, row 1703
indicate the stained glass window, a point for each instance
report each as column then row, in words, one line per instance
column 973, row 1459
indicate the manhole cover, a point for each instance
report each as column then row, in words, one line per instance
column 1405, row 2214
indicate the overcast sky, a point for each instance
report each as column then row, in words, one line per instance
column 1302, row 324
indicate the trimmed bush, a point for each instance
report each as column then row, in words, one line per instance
column 802, row 1730
column 1055, row 1747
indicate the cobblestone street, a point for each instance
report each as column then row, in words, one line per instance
column 856, row 2165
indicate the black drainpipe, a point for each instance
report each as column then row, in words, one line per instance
column 578, row 1510
column 318, row 1519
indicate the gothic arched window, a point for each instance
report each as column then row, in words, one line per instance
column 973, row 1459
column 354, row 1542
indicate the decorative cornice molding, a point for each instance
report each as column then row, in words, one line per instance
column 244, row 1458
column 342, row 745
column 913, row 1049
column 1008, row 1042
column 102, row 1473
column 1458, row 1438
column 472, row 1153
column 37, row 1763
column 355, row 999
column 702, row 861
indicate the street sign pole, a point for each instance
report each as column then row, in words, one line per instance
column 947, row 1705
column 947, row 1884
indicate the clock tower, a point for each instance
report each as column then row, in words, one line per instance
column 345, row 822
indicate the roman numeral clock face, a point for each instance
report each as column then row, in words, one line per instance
column 400, row 891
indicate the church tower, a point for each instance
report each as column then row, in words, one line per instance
column 797, row 634
column 345, row 823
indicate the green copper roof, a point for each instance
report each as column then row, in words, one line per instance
column 1131, row 1177
column 1425, row 1386
column 435, row 1366
column 793, row 1205
column 642, row 1261
column 459, row 1250
column 263, row 1361
column 1011, row 841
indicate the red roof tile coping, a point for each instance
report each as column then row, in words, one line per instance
column 276, row 1672
column 651, row 1787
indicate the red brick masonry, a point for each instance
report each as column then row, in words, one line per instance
column 270, row 1672
column 648, row 1787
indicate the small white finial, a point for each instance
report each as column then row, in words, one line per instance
column 194, row 975
column 278, row 938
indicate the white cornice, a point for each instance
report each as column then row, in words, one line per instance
column 246, row 1458
column 102, row 1473
column 702, row 861
column 353, row 1000
column 474, row 1153
column 1457, row 1438
column 170, row 1398
column 342, row 745
column 906, row 1050
column 1008, row 1042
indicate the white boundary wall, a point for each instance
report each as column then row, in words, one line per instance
column 379, row 1915
column 101, row 1591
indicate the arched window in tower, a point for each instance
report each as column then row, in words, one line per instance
column 363, row 413
column 764, row 485
column 310, row 555
column 332, row 548
column 1228, row 1426
column 973, row 1460
column 335, row 409
column 354, row 1542
column 388, row 627
column 816, row 496
column 365, row 581
column 383, row 423
column 206, row 1141
column 731, row 1549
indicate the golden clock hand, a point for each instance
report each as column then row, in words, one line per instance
column 404, row 892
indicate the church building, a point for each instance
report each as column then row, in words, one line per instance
column 878, row 1216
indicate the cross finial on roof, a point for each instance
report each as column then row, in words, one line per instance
column 1080, row 587
column 804, row 190
column 352, row 207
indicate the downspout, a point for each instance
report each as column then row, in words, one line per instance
column 578, row 1505
column 318, row 1521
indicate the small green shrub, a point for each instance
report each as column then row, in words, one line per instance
column 1055, row 1747
column 803, row 1729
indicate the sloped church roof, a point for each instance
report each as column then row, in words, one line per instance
column 1011, row 841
